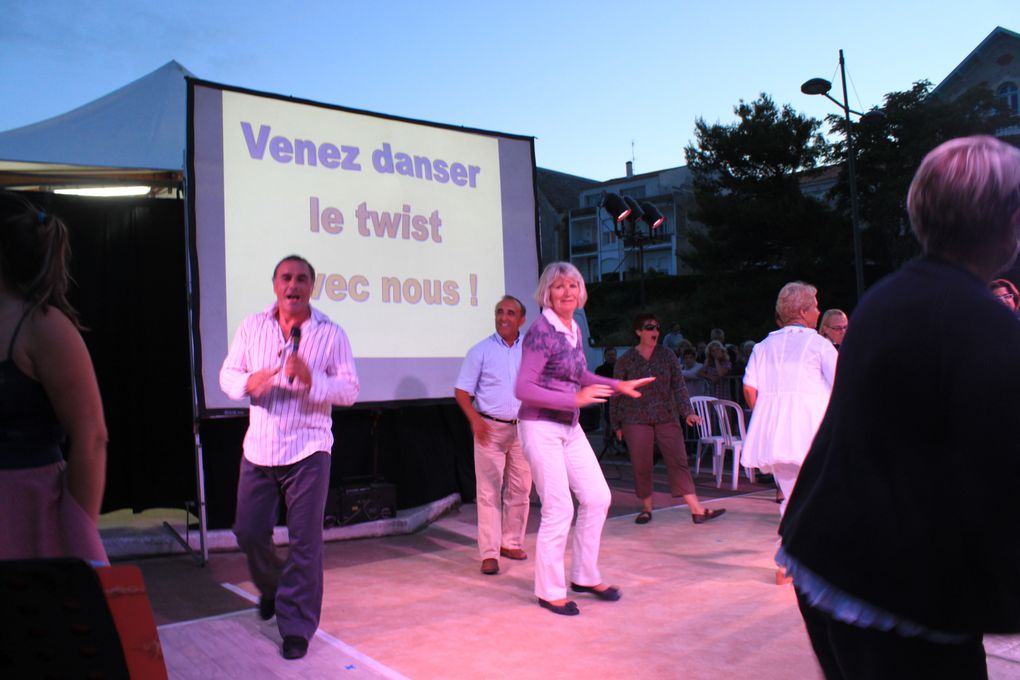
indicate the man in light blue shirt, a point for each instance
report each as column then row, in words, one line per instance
column 489, row 374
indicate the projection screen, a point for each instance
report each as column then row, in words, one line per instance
column 415, row 231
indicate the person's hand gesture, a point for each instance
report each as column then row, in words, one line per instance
column 592, row 394
column 259, row 382
column 629, row 387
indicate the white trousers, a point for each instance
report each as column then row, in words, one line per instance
column 562, row 462
column 786, row 477
column 502, row 490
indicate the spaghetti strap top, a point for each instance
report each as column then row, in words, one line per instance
column 30, row 435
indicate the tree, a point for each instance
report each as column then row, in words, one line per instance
column 888, row 154
column 758, row 225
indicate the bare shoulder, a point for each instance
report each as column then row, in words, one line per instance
column 49, row 337
column 50, row 328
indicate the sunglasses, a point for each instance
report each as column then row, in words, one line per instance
column 651, row 327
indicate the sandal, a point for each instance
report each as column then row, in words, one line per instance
column 644, row 517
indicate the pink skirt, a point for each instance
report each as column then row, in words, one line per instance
column 42, row 519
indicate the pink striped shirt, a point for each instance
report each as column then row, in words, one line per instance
column 290, row 421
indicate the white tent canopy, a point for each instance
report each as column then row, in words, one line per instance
column 135, row 133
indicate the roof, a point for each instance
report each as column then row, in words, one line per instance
column 563, row 191
column 140, row 126
column 998, row 34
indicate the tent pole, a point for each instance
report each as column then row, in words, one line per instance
column 203, row 529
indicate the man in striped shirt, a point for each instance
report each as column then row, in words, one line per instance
column 294, row 364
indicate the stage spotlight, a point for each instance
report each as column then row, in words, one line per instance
column 636, row 213
column 615, row 206
column 653, row 218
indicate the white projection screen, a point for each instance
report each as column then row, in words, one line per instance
column 415, row 231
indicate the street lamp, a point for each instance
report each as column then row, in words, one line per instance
column 821, row 86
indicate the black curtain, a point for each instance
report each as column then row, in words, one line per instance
column 128, row 260
column 425, row 451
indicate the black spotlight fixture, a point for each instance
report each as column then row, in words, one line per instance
column 636, row 213
column 615, row 206
column 653, row 218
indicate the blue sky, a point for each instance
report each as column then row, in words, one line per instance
column 594, row 82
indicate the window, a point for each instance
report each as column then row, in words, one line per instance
column 585, row 265
column 1007, row 92
column 582, row 234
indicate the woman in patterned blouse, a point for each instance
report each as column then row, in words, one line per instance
column 655, row 419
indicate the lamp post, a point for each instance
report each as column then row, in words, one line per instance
column 822, row 86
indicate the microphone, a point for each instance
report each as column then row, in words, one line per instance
column 295, row 336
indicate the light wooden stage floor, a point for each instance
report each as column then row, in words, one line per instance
column 699, row 602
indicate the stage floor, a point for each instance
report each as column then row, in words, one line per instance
column 699, row 601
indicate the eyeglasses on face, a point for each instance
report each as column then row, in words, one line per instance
column 651, row 327
column 840, row 329
column 1006, row 297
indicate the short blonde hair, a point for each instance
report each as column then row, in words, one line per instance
column 793, row 299
column 554, row 271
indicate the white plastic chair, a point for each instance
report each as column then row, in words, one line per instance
column 727, row 412
column 707, row 440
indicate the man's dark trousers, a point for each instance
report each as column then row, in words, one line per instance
column 295, row 583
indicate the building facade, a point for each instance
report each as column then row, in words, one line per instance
column 603, row 250
column 995, row 63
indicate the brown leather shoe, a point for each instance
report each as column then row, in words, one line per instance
column 490, row 566
column 513, row 553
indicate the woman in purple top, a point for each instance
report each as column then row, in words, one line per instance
column 655, row 419
column 553, row 383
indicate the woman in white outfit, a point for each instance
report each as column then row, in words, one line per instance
column 787, row 384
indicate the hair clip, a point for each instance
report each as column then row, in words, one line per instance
column 42, row 216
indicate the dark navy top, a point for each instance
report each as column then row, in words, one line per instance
column 907, row 500
column 30, row 435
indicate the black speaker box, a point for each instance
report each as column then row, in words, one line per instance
column 353, row 504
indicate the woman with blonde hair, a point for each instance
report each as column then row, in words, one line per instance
column 787, row 384
column 716, row 370
column 47, row 391
column 552, row 384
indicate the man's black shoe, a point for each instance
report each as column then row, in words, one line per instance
column 267, row 607
column 294, row 647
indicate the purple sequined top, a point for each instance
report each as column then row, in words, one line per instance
column 552, row 371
